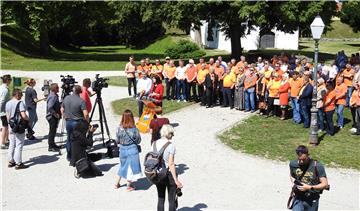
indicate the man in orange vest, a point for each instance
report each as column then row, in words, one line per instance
column 348, row 74
column 191, row 74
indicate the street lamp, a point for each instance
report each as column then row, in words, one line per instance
column 317, row 28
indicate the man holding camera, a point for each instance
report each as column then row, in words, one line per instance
column 16, row 115
column 309, row 179
column 73, row 110
column 53, row 115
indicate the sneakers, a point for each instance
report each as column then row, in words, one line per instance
column 21, row 166
column 11, row 164
column 54, row 149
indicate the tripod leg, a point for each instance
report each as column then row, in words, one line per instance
column 101, row 122
column 92, row 112
column 105, row 121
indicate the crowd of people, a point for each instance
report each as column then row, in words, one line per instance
column 269, row 86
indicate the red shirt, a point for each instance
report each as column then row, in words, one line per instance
column 85, row 95
column 159, row 89
column 155, row 126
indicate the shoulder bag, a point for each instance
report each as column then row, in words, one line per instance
column 137, row 145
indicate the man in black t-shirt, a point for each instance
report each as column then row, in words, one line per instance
column 310, row 179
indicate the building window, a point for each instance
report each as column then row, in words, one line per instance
column 267, row 40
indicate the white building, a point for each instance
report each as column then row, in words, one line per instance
column 253, row 41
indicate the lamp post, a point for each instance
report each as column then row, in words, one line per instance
column 317, row 27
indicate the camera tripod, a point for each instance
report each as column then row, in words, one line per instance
column 102, row 116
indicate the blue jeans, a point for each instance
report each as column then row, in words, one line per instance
column 340, row 115
column 32, row 116
column 181, row 90
column 305, row 109
column 70, row 124
column 300, row 205
column 330, row 123
column 320, row 115
column 296, row 110
column 129, row 158
column 250, row 99
column 348, row 95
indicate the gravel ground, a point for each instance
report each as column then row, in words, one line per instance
column 214, row 176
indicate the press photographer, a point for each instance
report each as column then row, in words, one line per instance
column 82, row 137
column 309, row 179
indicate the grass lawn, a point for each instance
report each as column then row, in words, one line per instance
column 117, row 81
column 275, row 139
column 341, row 30
column 119, row 106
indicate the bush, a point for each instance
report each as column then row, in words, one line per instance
column 184, row 49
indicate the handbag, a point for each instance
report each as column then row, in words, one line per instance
column 137, row 145
column 112, row 149
column 82, row 165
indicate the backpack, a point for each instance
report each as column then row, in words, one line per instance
column 17, row 124
column 155, row 169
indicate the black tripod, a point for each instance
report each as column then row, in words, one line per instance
column 102, row 117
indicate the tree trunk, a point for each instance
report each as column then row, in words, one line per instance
column 235, row 35
column 44, row 40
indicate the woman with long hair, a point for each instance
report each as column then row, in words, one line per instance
column 128, row 137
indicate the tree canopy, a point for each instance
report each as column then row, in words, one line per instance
column 350, row 14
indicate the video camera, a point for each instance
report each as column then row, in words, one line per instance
column 46, row 87
column 99, row 83
column 68, row 83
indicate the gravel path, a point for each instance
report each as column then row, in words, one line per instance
column 214, row 176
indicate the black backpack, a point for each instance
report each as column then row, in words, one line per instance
column 17, row 124
column 155, row 169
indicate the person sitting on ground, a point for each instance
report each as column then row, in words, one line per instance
column 157, row 90
column 171, row 182
column 156, row 123
column 128, row 137
column 82, row 137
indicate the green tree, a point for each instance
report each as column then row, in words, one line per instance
column 350, row 14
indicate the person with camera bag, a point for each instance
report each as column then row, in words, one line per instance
column 128, row 138
column 74, row 110
column 19, row 122
column 53, row 115
column 82, row 137
column 309, row 180
column 4, row 98
column 171, row 181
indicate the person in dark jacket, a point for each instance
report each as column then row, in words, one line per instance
column 82, row 137
column 305, row 97
column 211, row 80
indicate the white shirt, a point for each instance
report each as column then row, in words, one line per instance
column 144, row 85
column 333, row 71
column 180, row 72
column 170, row 149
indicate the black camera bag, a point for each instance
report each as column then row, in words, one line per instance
column 112, row 149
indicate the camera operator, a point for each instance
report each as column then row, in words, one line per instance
column 171, row 182
column 82, row 137
column 309, row 179
column 4, row 98
column 143, row 85
column 53, row 115
column 73, row 109
column 86, row 94
column 16, row 107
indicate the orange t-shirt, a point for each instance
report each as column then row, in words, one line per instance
column 279, row 72
column 329, row 101
column 274, row 86
column 209, row 65
column 132, row 70
column 295, row 86
column 170, row 71
column 141, row 68
column 250, row 81
column 198, row 66
column 240, row 64
column 341, row 90
column 235, row 70
column 354, row 97
column 219, row 71
column 348, row 75
column 191, row 73
column 201, row 75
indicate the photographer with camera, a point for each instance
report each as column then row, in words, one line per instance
column 4, row 98
column 82, row 137
column 309, row 179
column 73, row 110
column 53, row 116
column 171, row 182
column 19, row 122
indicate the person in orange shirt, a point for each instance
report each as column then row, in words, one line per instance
column 201, row 79
column 329, row 108
column 201, row 62
column 241, row 63
column 219, row 71
column 278, row 70
column 249, row 85
column 321, row 92
column 340, row 100
column 142, row 68
column 169, row 73
column 348, row 74
column 211, row 63
column 148, row 64
column 157, row 69
column 130, row 70
column 355, row 108
column 284, row 95
column 295, row 86
column 229, row 84
column 166, row 65
column 191, row 73
column 273, row 99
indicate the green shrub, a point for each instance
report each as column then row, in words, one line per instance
column 184, row 49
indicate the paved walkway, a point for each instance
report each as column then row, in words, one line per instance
column 214, row 176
